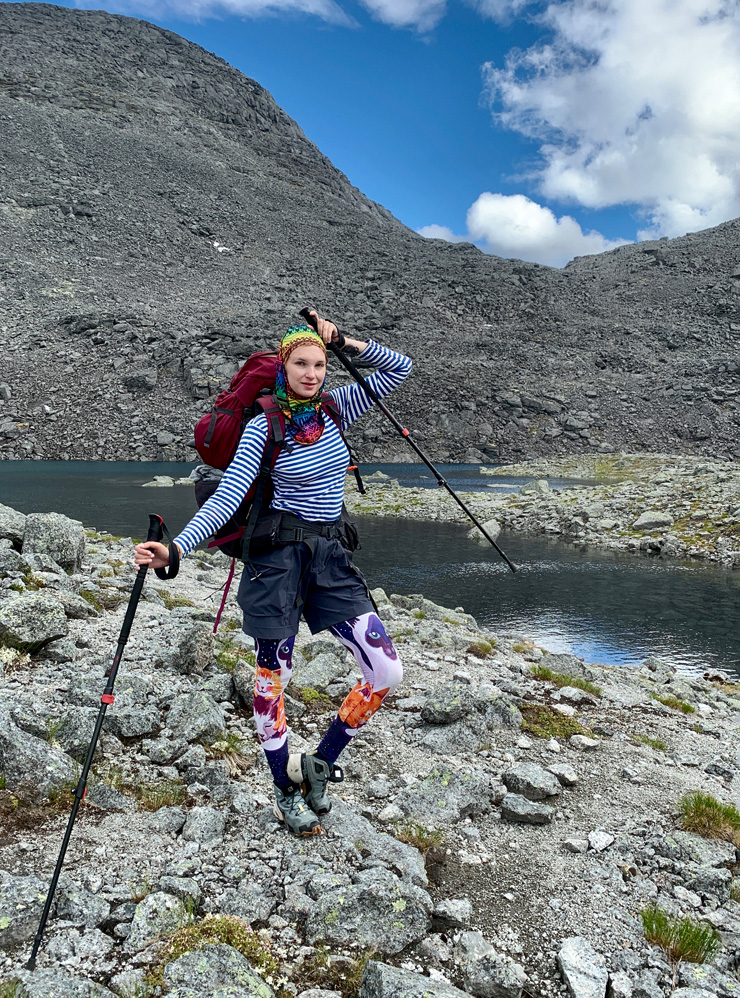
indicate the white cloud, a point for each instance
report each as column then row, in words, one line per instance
column 633, row 102
column 441, row 232
column 420, row 14
column 511, row 225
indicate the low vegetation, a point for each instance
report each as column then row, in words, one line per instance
column 171, row 600
column 654, row 743
column 674, row 703
column 679, row 938
column 419, row 836
column 231, row 747
column 561, row 679
column 217, row 929
column 334, row 971
column 13, row 660
column 314, row 698
column 481, row 649
column 704, row 814
column 10, row 989
column 545, row 722
column 150, row 795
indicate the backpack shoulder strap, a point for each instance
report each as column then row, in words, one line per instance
column 275, row 422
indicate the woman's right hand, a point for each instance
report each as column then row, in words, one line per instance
column 152, row 554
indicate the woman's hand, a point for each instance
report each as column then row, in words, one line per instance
column 152, row 554
column 326, row 329
column 328, row 333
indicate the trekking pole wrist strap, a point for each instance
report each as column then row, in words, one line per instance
column 158, row 528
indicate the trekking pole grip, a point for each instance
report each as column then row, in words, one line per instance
column 305, row 313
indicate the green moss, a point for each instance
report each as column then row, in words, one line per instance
column 171, row 600
column 91, row 598
column 419, row 614
column 314, row 698
column 545, row 722
column 333, row 972
column 561, row 679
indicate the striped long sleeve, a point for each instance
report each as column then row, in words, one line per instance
column 308, row 481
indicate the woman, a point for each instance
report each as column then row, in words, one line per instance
column 308, row 571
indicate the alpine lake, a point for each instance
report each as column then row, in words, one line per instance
column 603, row 606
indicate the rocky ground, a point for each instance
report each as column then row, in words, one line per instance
column 161, row 218
column 503, row 822
column 661, row 504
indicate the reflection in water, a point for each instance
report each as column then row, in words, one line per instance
column 604, row 606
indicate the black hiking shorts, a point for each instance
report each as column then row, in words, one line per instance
column 317, row 580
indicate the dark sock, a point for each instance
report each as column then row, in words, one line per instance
column 277, row 760
column 334, row 741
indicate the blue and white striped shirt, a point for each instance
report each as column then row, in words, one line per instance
column 308, row 480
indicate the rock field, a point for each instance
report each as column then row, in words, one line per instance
column 659, row 504
column 161, row 218
column 503, row 822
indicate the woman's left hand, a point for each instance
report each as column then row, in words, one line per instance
column 326, row 329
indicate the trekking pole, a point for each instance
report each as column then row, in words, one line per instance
column 157, row 529
column 336, row 349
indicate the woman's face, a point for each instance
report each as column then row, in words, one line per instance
column 305, row 370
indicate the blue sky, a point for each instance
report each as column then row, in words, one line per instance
column 540, row 130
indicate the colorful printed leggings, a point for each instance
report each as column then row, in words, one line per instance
column 366, row 638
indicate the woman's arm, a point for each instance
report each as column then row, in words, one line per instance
column 224, row 502
column 391, row 370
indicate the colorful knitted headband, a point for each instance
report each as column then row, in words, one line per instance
column 303, row 417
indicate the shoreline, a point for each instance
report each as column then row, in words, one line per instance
column 504, row 819
column 674, row 507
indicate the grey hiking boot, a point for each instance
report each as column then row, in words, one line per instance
column 314, row 775
column 291, row 809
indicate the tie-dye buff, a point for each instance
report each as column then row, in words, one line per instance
column 274, row 664
column 366, row 638
column 303, row 416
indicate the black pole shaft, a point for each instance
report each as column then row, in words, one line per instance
column 373, row 395
column 154, row 534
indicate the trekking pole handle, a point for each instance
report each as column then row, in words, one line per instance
column 305, row 313
column 156, row 524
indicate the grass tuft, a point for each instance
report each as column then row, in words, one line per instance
column 10, row 989
column 418, row 836
column 561, row 679
column 654, row 743
column 679, row 938
column 230, row 746
column 13, row 660
column 674, row 703
column 150, row 795
column 217, row 929
column 481, row 649
column 545, row 722
column 171, row 601
column 704, row 814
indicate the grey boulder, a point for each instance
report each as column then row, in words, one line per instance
column 21, row 904
column 487, row 973
column 32, row 768
column 444, row 797
column 214, row 970
column 381, row 981
column 583, row 969
column 380, row 916
column 58, row 536
column 12, row 525
column 156, row 915
column 48, row 982
column 185, row 646
column 195, row 716
column 204, row 825
column 532, row 781
column 30, row 621
column 320, row 672
column 520, row 809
